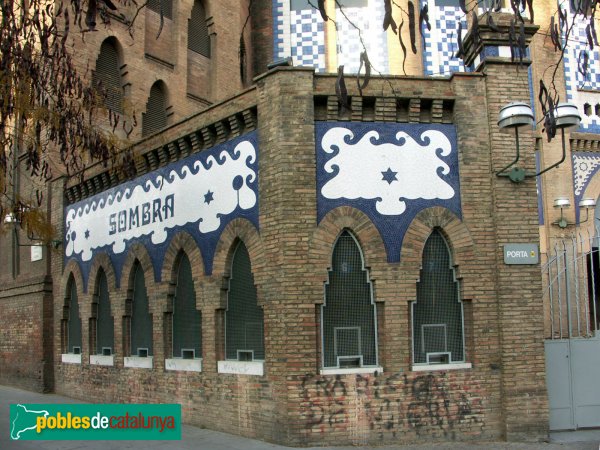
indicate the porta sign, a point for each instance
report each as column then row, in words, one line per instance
column 521, row 254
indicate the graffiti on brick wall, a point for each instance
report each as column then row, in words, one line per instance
column 388, row 404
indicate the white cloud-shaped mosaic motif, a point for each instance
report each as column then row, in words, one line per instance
column 200, row 192
column 389, row 173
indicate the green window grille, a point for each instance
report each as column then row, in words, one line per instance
column 187, row 333
column 155, row 117
column 166, row 5
column 198, row 38
column 141, row 319
column 105, row 327
column 348, row 316
column 438, row 312
column 74, row 324
column 107, row 77
column 244, row 339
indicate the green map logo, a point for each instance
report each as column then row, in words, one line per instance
column 95, row 421
column 23, row 420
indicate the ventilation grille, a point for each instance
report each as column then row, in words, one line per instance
column 141, row 320
column 107, row 77
column 105, row 323
column 156, row 111
column 437, row 314
column 74, row 324
column 348, row 315
column 187, row 334
column 244, row 318
column 198, row 38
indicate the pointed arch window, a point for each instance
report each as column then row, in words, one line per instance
column 105, row 328
column 244, row 329
column 187, row 333
column 155, row 117
column 198, row 37
column 348, row 316
column 141, row 319
column 73, row 321
column 437, row 315
column 107, row 76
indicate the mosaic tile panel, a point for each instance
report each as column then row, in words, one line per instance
column 583, row 90
column 441, row 43
column 307, row 39
column 369, row 20
column 585, row 167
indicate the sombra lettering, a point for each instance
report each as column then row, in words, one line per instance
column 156, row 210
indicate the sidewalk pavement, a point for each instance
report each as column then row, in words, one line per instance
column 198, row 438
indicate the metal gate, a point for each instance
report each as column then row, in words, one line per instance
column 571, row 279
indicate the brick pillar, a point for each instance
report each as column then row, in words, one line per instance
column 287, row 219
column 514, row 209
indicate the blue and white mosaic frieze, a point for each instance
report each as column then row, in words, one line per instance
column 390, row 172
column 585, row 167
column 200, row 194
column 441, row 43
column 582, row 90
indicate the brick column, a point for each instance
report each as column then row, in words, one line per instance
column 514, row 209
column 287, row 219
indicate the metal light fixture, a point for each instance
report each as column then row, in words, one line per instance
column 566, row 117
column 14, row 220
column 562, row 203
column 518, row 114
column 512, row 117
column 587, row 204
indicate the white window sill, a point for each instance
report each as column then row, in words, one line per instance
column 138, row 362
column 241, row 367
column 185, row 365
column 71, row 358
column 350, row 370
column 436, row 367
column 102, row 360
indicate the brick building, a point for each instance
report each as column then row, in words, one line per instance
column 296, row 271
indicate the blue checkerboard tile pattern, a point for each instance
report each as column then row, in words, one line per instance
column 441, row 43
column 582, row 90
column 307, row 39
column 369, row 19
column 577, row 44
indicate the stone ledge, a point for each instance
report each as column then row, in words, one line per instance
column 241, row 367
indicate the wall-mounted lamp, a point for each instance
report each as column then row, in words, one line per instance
column 587, row 204
column 564, row 203
column 13, row 220
column 518, row 114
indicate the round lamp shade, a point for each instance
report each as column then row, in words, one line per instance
column 514, row 115
column 587, row 203
column 562, row 203
column 567, row 115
